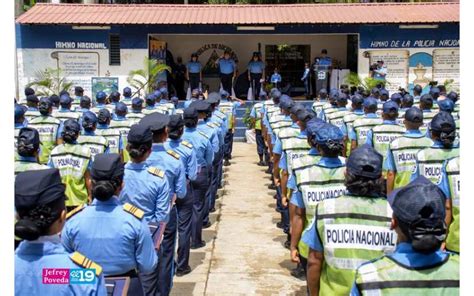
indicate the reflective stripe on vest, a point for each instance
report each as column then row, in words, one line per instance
column 258, row 115
column 63, row 116
column 348, row 121
column 23, row 166
column 430, row 162
column 337, row 118
column 387, row 277
column 454, row 182
column 352, row 230
column 362, row 126
column 427, row 117
column 382, row 135
column 318, row 107
column 96, row 144
column 228, row 109
column 294, row 147
column 404, row 151
column 47, row 127
column 112, row 136
column 72, row 162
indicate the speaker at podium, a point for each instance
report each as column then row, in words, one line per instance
column 322, row 78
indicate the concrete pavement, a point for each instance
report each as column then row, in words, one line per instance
column 244, row 254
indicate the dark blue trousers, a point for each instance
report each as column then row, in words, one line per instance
column 228, row 143
column 200, row 188
column 149, row 281
column 166, row 258
column 261, row 147
column 214, row 182
column 185, row 215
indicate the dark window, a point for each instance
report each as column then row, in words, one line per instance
column 114, row 49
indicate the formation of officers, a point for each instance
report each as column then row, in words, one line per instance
column 367, row 184
column 116, row 184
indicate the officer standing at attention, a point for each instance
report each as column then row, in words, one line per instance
column 337, row 117
column 95, row 143
column 100, row 98
column 418, row 266
column 136, row 114
column 84, row 105
column 127, row 96
column 73, row 161
column 121, row 123
column 320, row 101
column 406, row 103
column 350, row 229
column 150, row 101
column 348, row 119
column 426, row 105
column 315, row 181
column 194, row 97
column 39, row 203
column 256, row 71
column 28, row 91
column 171, row 163
column 121, row 241
column 361, row 126
column 306, row 80
column 20, row 121
column 381, row 135
column 146, row 188
column 113, row 136
column 229, row 107
column 256, row 117
column 200, row 186
column 401, row 155
column 65, row 111
column 417, row 90
column 331, row 105
column 78, row 93
column 48, row 128
column 32, row 105
column 28, row 147
column 193, row 72
column 447, row 105
column 55, row 101
column 228, row 71
column 184, row 206
column 114, row 98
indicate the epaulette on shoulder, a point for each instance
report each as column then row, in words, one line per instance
column 220, row 116
column 74, row 211
column 187, row 144
column 85, row 262
column 204, row 135
column 156, row 172
column 131, row 209
column 172, row 153
column 212, row 124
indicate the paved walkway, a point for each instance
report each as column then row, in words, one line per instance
column 244, row 254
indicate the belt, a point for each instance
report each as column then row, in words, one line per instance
column 131, row 274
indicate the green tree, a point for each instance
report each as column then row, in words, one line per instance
column 142, row 79
column 50, row 81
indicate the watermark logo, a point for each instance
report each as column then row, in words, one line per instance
column 64, row 276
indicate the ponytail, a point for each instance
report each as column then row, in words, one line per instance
column 37, row 221
column 190, row 122
column 103, row 190
column 446, row 138
column 332, row 148
column 43, row 109
column 70, row 137
column 425, row 237
column 138, row 150
column 26, row 150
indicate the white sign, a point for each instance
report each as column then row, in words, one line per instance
column 79, row 67
column 446, row 66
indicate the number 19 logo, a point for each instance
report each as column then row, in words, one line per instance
column 82, row 276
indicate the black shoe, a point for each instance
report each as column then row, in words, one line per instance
column 278, row 210
column 298, row 272
column 268, row 171
column 287, row 244
column 226, row 162
column 198, row 246
column 261, row 163
column 279, row 225
column 272, row 187
column 185, row 271
column 212, row 210
column 207, row 225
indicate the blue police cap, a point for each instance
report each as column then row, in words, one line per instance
column 304, row 115
column 37, row 187
column 85, row 100
column 453, row 96
column 365, row 161
column 434, row 91
column 29, row 136
column 65, row 100
column 384, row 92
column 297, row 107
column 420, row 199
column 114, row 96
column 341, row 98
column 328, row 133
column 45, row 103
column 175, row 122
column 127, row 92
column 276, row 94
column 121, row 107
column 19, row 111
column 224, row 94
column 157, row 94
column 417, row 88
column 150, row 98
column 107, row 167
column 137, row 102
column 89, row 119
column 213, row 98
column 262, row 94
column 370, row 102
column 396, row 97
column 201, row 106
column 71, row 125
column 32, row 99
column 323, row 91
column 174, row 99
column 414, row 114
column 78, row 90
column 314, row 125
column 443, row 122
column 29, row 91
column 357, row 100
column 104, row 115
column 140, row 134
column 408, row 99
column 446, row 105
column 100, row 95
column 163, row 90
column 375, row 90
column 427, row 99
column 286, row 102
column 156, row 121
column 389, row 107
column 54, row 99
column 190, row 113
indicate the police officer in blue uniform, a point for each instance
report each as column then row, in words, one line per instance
column 194, row 97
column 146, row 187
column 204, row 154
column 20, row 120
column 114, row 98
column 41, row 211
column 193, row 72
column 127, row 96
column 100, row 98
column 227, row 70
column 256, row 71
column 171, row 163
column 84, row 104
column 184, row 206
